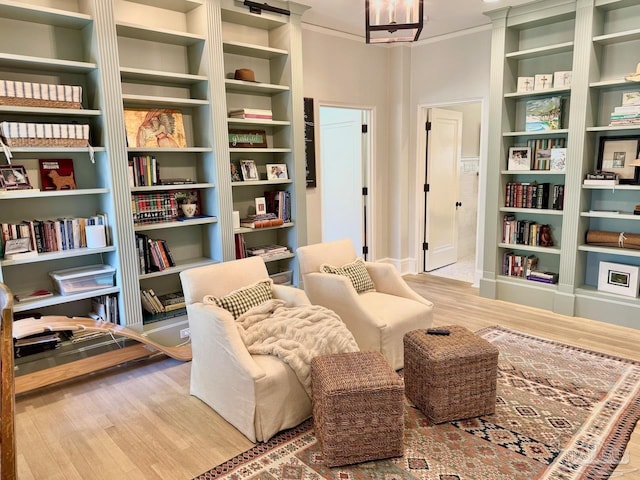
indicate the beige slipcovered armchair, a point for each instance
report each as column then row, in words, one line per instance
column 377, row 319
column 258, row 394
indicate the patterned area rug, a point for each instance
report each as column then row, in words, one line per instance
column 562, row 413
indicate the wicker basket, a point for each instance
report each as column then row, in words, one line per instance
column 19, row 134
column 27, row 94
column 450, row 377
column 357, row 407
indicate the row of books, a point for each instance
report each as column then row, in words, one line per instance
column 525, row 232
column 533, row 195
column 154, row 207
column 279, row 203
column 143, row 171
column 52, row 235
column 517, row 265
column 105, row 308
column 155, row 304
column 154, row 255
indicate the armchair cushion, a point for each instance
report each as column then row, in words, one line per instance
column 356, row 272
column 243, row 299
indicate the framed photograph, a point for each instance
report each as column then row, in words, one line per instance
column 261, row 206
column 157, row 128
column 235, row 172
column 249, row 170
column 277, row 171
column 519, row 158
column 239, row 138
column 617, row 154
column 14, row 177
column 618, row 278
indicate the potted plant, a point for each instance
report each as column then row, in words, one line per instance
column 188, row 202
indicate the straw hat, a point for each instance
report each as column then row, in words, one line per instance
column 634, row 77
column 245, row 74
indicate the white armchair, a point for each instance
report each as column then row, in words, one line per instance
column 258, row 394
column 378, row 319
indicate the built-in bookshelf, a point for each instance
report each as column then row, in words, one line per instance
column 598, row 44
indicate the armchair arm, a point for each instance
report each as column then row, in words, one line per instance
column 293, row 296
column 223, row 373
column 337, row 293
column 387, row 279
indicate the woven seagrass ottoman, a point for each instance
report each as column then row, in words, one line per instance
column 358, row 407
column 450, row 377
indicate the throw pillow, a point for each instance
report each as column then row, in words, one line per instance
column 355, row 271
column 241, row 300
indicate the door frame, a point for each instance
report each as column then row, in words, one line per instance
column 421, row 145
column 368, row 153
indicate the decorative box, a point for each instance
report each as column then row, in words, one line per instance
column 27, row 94
column 20, row 134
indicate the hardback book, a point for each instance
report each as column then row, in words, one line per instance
column 249, row 113
column 57, row 174
column 543, row 114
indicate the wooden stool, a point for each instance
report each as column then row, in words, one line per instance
column 358, row 409
column 450, row 377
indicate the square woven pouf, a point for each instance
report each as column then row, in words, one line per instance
column 450, row 377
column 358, row 407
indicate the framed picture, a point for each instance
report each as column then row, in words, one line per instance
column 249, row 170
column 618, row 278
column 617, row 154
column 247, row 138
column 277, row 171
column 157, row 128
column 235, row 172
column 261, row 205
column 519, row 158
column 14, row 177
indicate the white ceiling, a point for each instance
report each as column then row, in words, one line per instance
column 442, row 16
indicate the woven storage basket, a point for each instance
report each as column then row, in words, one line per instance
column 27, row 94
column 357, row 407
column 450, row 377
column 19, row 134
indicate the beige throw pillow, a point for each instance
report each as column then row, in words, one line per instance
column 356, row 272
column 241, row 300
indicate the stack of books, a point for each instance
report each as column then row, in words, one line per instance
column 261, row 221
column 601, row 178
column 268, row 252
column 251, row 113
column 629, row 112
column 544, row 277
column 168, row 302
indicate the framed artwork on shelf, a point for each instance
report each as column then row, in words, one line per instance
column 249, row 170
column 157, row 128
column 14, row 177
column 57, row 174
column 239, row 138
column 519, row 158
column 621, row 156
column 235, row 172
column 618, row 278
column 277, row 171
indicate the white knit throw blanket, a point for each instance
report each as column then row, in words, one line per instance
column 294, row 334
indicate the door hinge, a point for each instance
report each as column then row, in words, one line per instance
column 365, row 191
column 365, row 250
column 365, row 128
column 425, row 246
column 426, row 188
column 427, row 126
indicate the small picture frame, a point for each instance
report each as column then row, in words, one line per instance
column 525, row 84
column 14, row 177
column 519, row 158
column 277, row 171
column 618, row 278
column 543, row 81
column 261, row 205
column 617, row 155
column 17, row 245
column 249, row 171
column 236, row 176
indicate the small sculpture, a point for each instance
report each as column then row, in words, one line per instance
column 545, row 236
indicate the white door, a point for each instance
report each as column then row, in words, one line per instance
column 341, row 174
column 443, row 152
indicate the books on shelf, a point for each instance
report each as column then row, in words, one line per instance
column 154, row 255
column 543, row 277
column 527, row 195
column 515, row 265
column 543, row 114
column 279, row 203
column 105, row 308
column 251, row 113
column 155, row 304
column 525, row 232
column 57, row 174
column 261, row 221
column 268, row 251
column 601, row 182
column 144, row 171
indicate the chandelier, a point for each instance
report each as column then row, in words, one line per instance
column 389, row 21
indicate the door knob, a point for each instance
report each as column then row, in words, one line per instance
column 458, row 204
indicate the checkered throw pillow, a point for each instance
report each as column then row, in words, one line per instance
column 355, row 271
column 241, row 300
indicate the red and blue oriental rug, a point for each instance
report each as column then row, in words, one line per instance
column 562, row 413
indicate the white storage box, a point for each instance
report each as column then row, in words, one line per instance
column 30, row 94
column 283, row 278
column 83, row 279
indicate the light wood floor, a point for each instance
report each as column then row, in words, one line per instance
column 139, row 422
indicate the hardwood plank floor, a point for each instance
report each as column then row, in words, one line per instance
column 139, row 421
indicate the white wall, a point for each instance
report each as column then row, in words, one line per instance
column 394, row 81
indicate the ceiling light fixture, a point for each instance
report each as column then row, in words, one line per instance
column 389, row 21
